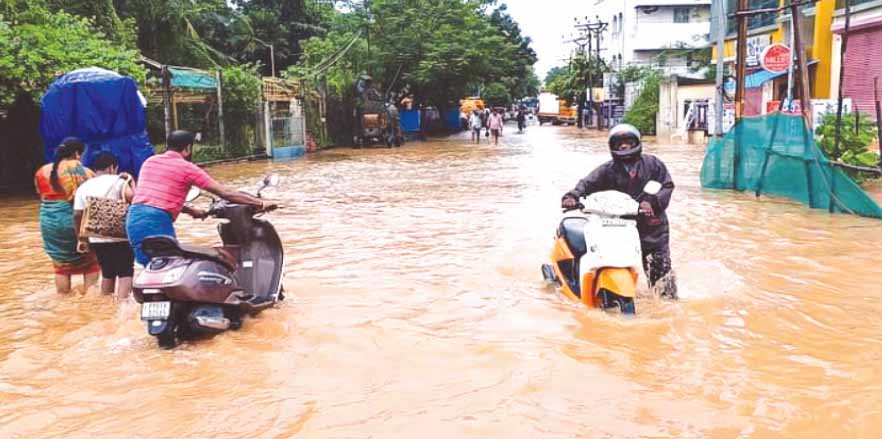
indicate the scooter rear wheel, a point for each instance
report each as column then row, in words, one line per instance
column 167, row 339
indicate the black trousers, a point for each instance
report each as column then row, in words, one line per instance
column 657, row 265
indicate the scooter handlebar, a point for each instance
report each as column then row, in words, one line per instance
column 578, row 206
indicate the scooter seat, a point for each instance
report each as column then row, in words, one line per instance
column 573, row 231
column 165, row 246
column 214, row 254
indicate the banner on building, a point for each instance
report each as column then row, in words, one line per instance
column 728, row 116
column 755, row 47
column 611, row 85
column 822, row 107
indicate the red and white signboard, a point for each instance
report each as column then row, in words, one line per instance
column 776, row 58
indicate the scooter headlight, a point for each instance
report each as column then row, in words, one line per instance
column 174, row 274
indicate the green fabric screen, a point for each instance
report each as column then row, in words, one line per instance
column 186, row 78
column 776, row 154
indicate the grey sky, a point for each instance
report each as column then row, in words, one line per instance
column 547, row 22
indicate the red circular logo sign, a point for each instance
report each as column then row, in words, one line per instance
column 776, row 58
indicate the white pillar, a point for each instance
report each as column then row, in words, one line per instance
column 268, row 128
column 836, row 60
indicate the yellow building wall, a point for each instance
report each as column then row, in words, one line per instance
column 822, row 48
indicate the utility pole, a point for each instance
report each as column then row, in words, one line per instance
column 804, row 86
column 878, row 116
column 590, row 85
column 835, row 157
column 841, row 79
column 741, row 60
column 593, row 30
column 720, row 8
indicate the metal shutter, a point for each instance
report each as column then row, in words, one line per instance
column 863, row 62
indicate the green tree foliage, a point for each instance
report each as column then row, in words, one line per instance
column 496, row 94
column 571, row 81
column 36, row 45
column 436, row 50
column 242, row 95
column 170, row 31
column 282, row 24
column 553, row 74
column 856, row 133
column 103, row 15
column 642, row 113
column 631, row 73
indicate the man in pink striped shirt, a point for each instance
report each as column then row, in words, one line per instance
column 162, row 189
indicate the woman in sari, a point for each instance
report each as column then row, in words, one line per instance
column 56, row 184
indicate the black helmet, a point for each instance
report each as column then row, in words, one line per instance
column 180, row 139
column 619, row 134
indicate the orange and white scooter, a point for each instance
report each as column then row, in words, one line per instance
column 596, row 256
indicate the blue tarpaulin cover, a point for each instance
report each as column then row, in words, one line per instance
column 101, row 107
column 410, row 121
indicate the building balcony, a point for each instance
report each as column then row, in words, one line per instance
column 640, row 3
column 657, row 36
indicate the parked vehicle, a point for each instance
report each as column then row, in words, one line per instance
column 382, row 127
column 377, row 121
column 567, row 113
column 556, row 110
column 187, row 292
column 549, row 107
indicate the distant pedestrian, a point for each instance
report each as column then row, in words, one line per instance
column 114, row 254
column 522, row 120
column 56, row 184
column 475, row 124
column 495, row 124
column 485, row 118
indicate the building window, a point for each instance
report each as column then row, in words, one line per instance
column 762, row 20
column 755, row 21
column 840, row 4
column 681, row 15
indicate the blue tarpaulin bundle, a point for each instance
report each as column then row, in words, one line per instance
column 101, row 107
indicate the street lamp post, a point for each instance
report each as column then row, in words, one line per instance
column 272, row 61
column 272, row 56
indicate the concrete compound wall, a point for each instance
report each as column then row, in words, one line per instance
column 671, row 109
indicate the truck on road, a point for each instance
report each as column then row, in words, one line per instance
column 555, row 110
column 548, row 108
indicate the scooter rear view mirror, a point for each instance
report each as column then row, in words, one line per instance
column 271, row 180
column 652, row 187
column 193, row 193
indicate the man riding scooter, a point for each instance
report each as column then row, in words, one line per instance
column 628, row 172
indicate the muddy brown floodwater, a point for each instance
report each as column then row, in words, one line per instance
column 416, row 309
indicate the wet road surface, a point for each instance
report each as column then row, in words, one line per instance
column 416, row 309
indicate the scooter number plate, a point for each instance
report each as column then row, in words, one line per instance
column 614, row 222
column 155, row 310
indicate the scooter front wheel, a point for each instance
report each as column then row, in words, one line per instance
column 610, row 300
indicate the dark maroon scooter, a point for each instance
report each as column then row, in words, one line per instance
column 188, row 292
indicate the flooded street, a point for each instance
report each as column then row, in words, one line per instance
column 416, row 308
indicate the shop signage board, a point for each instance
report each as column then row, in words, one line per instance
column 776, row 58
